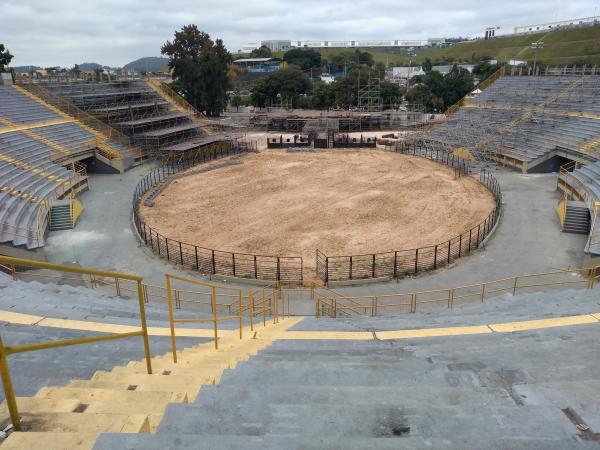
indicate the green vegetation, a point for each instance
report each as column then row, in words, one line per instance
column 200, row 68
column 262, row 52
column 286, row 84
column 435, row 91
column 5, row 57
column 572, row 46
column 303, row 58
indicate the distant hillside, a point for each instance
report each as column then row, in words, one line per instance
column 578, row 45
column 147, row 64
column 90, row 67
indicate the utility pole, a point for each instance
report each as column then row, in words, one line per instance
column 536, row 47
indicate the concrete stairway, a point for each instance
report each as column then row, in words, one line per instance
column 126, row 399
column 60, row 215
column 469, row 393
column 577, row 218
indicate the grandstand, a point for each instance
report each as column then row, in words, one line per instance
column 495, row 352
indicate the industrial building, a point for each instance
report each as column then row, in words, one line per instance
column 496, row 31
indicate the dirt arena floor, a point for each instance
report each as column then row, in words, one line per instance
column 339, row 201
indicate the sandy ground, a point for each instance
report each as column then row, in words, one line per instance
column 339, row 201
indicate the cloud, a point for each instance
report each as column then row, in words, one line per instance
column 114, row 32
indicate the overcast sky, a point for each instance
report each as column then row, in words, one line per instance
column 114, row 32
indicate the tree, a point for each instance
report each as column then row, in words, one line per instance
column 303, row 58
column 322, row 96
column 200, row 65
column 262, row 52
column 457, row 83
column 391, row 94
column 483, row 69
column 236, row 102
column 287, row 84
column 426, row 65
column 5, row 57
column 421, row 96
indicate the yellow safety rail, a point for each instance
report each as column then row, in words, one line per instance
column 408, row 302
column 13, row 264
column 594, row 238
column 210, row 298
column 481, row 86
column 561, row 210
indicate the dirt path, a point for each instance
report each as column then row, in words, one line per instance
column 339, row 201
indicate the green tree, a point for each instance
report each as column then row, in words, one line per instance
column 5, row 57
column 483, row 69
column 286, row 84
column 426, row 65
column 236, row 102
column 303, row 58
column 391, row 94
column 262, row 52
column 200, row 65
column 322, row 96
column 457, row 83
column 420, row 96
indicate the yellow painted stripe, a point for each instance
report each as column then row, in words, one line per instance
column 32, row 125
column 508, row 327
column 544, row 323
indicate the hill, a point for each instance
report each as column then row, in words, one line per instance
column 569, row 46
column 147, row 64
column 90, row 67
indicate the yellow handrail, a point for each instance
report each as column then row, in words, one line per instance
column 6, row 351
column 449, row 295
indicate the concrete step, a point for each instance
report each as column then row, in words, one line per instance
column 317, row 394
column 190, row 391
column 374, row 420
column 50, row 441
column 174, row 441
column 33, row 405
column 110, row 400
column 86, row 423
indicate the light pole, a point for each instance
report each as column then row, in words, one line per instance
column 536, row 46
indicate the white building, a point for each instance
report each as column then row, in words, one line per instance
column 492, row 32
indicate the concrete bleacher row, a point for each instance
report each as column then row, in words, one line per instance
column 29, row 177
column 588, row 188
column 136, row 109
column 524, row 119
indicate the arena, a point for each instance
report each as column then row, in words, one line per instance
column 342, row 201
column 180, row 282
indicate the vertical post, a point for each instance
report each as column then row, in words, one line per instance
column 478, row 230
column 482, row 292
column 140, row 293
column 416, row 260
column 470, row 233
column 373, row 268
column 9, row 393
column 278, row 269
column 233, row 261
column 460, row 246
column 449, row 250
column 213, row 300
column 167, row 246
column 117, row 287
column 255, row 269
column 180, row 253
column 435, row 257
column 240, row 313
column 326, row 269
column 196, row 254
column 413, row 303
column 214, row 266
column 350, row 267
column 515, row 285
column 171, row 319
column 251, row 309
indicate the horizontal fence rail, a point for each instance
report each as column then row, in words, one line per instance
column 333, row 304
column 12, row 266
column 395, row 264
column 206, row 260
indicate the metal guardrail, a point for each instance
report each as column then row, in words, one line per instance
column 6, row 350
column 202, row 259
column 398, row 263
column 410, row 302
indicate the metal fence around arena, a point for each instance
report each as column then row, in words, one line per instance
column 402, row 263
column 206, row 260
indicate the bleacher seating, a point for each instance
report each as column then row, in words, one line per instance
column 19, row 108
column 523, row 119
column 29, row 177
column 136, row 109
